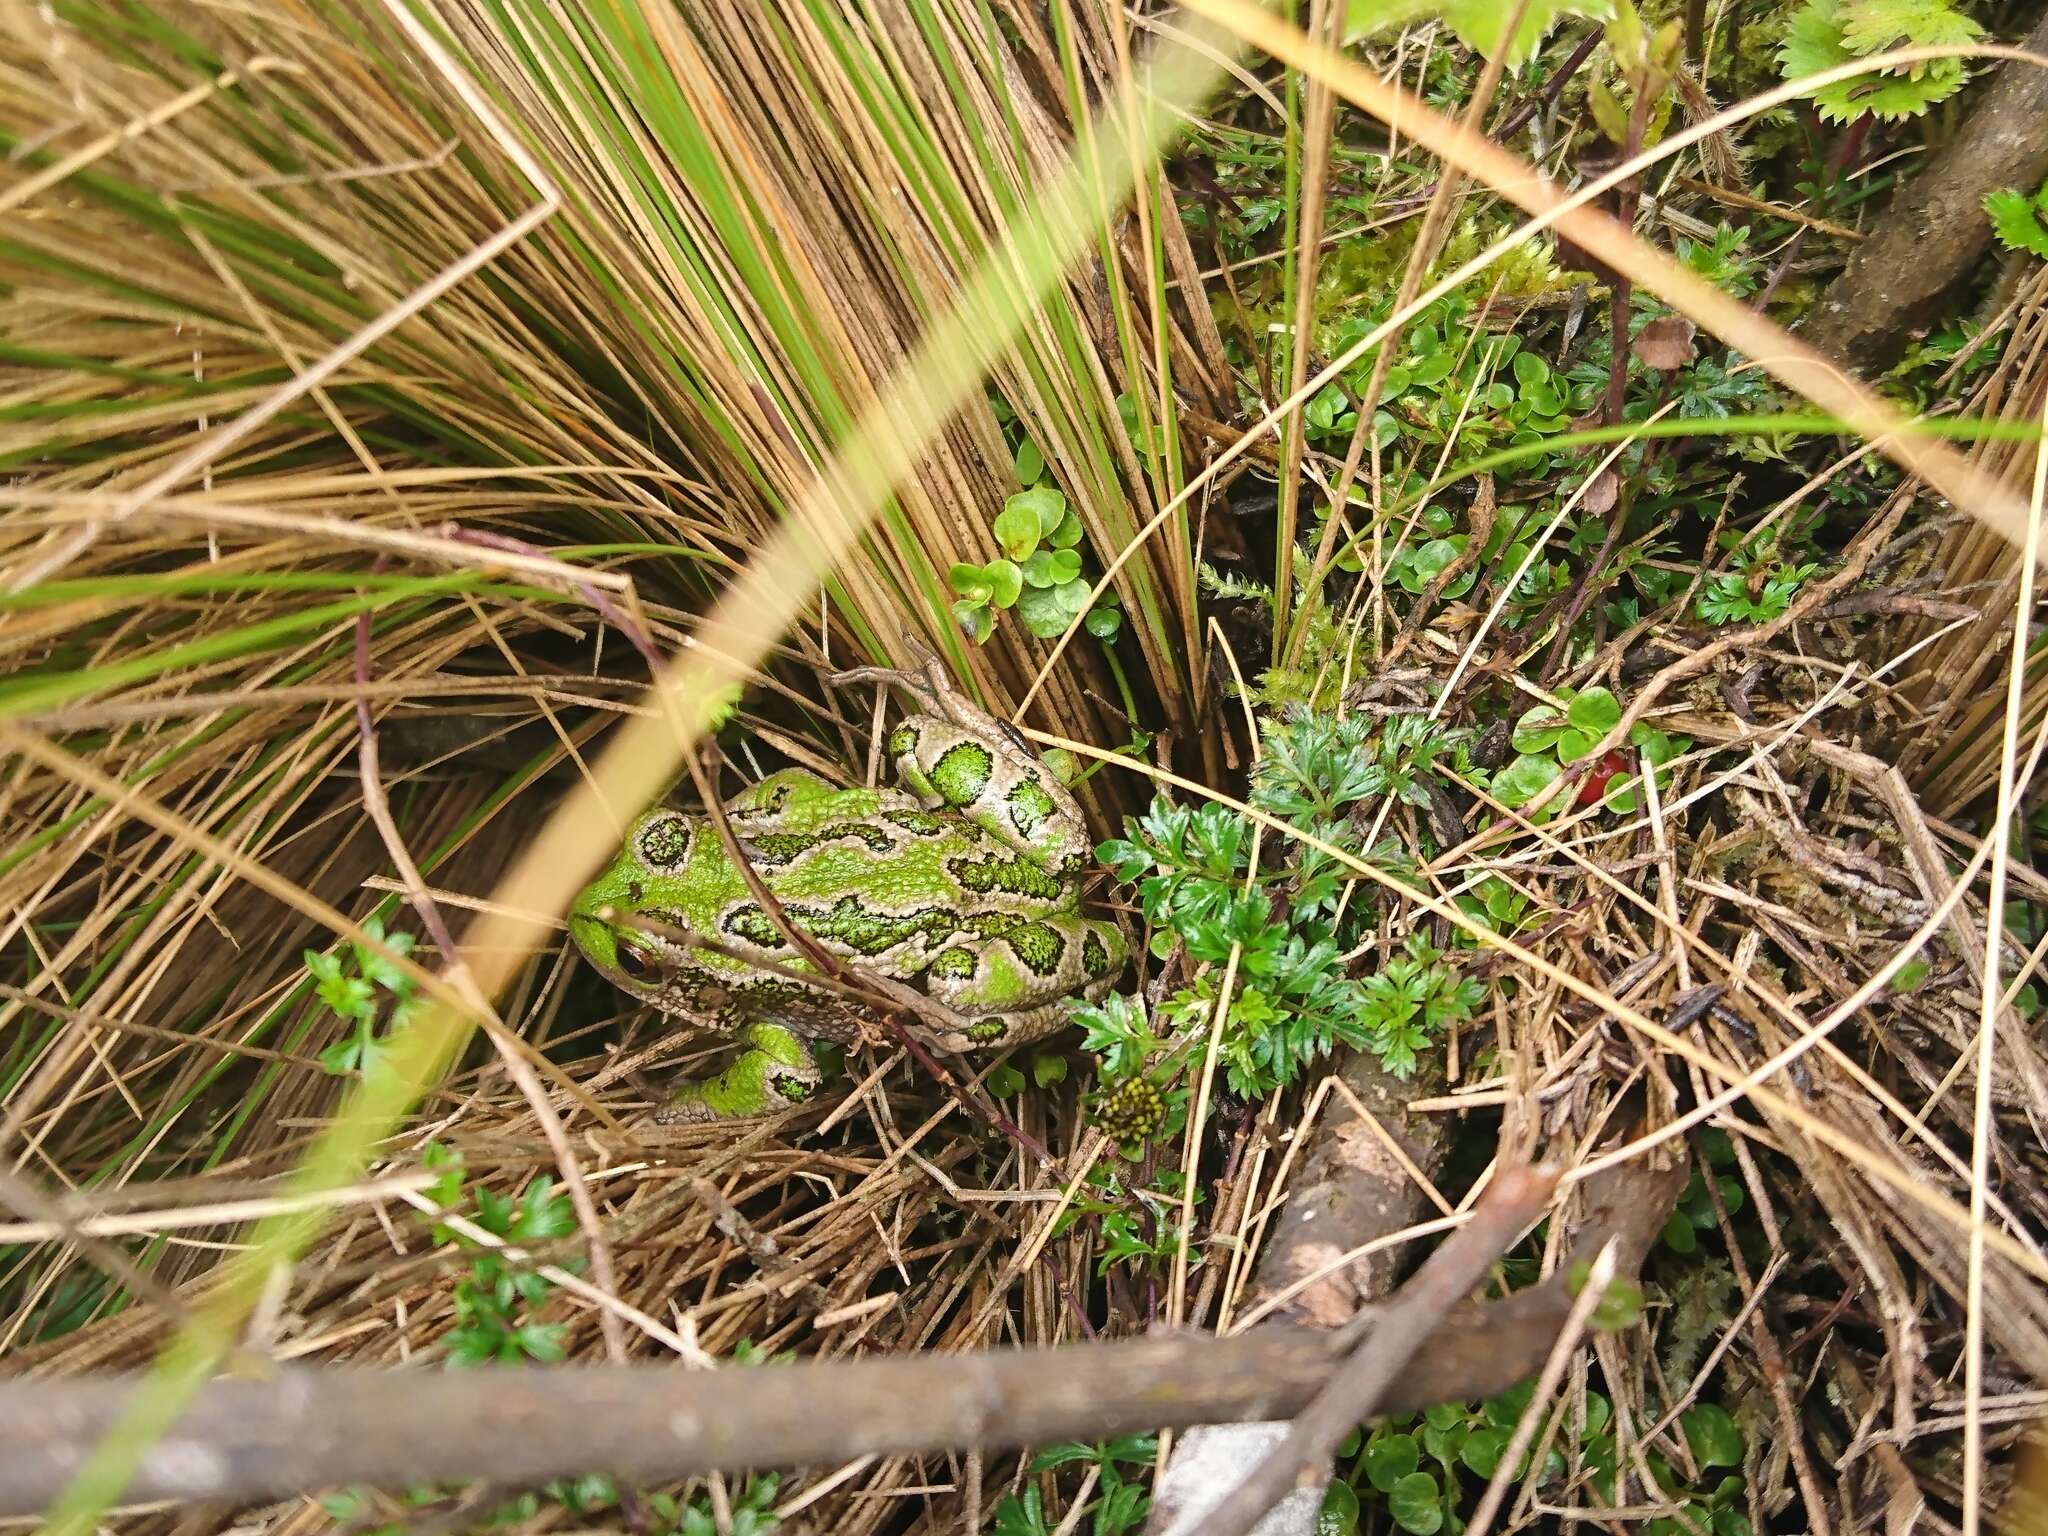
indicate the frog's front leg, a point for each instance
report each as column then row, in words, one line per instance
column 774, row 1071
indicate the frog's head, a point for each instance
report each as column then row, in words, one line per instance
column 629, row 957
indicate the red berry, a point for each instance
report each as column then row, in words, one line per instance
column 1604, row 768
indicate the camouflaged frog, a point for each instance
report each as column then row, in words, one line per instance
column 965, row 884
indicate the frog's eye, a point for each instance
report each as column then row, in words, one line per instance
column 638, row 965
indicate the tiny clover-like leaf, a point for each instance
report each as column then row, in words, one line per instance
column 1574, row 744
column 1043, row 502
column 1595, row 711
column 1415, row 1503
column 1066, row 533
column 1017, row 525
column 1005, row 1082
column 1538, row 729
column 974, row 620
column 1047, row 1068
column 1390, row 1458
column 1038, row 569
column 1005, row 581
column 1481, row 1450
column 1620, row 794
column 969, row 583
column 1524, row 779
column 1430, row 562
column 1047, row 611
column 1030, row 463
column 1340, row 1512
column 1105, row 622
column 1711, row 1435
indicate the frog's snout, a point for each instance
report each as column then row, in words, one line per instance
column 593, row 936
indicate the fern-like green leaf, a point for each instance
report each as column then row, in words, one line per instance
column 1872, row 26
column 1826, row 33
column 2016, row 220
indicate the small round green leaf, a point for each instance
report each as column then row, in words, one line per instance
column 1043, row 502
column 1433, row 369
column 1017, row 526
column 974, row 619
column 1414, row 1502
column 1339, row 1515
column 1030, row 463
column 968, row 582
column 1595, row 711
column 1005, row 581
column 1065, row 533
column 1047, row 611
column 1573, row 744
column 1530, row 369
column 1538, row 729
column 1524, row 779
column 1390, row 1458
column 1711, row 1435
column 1481, row 1450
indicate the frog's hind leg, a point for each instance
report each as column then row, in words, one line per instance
column 1010, row 983
column 775, row 1071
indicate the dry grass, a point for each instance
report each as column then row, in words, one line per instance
column 756, row 226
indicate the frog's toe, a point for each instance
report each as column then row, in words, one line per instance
column 775, row 1071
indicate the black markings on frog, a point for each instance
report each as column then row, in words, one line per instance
column 1013, row 876
column 665, row 842
column 1038, row 946
column 919, row 823
column 1094, row 954
column 846, row 922
column 962, row 772
column 954, row 963
column 1029, row 806
column 774, row 848
column 636, row 891
column 987, row 1031
column 794, row 1089
column 903, row 740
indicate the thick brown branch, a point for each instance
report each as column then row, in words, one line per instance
column 307, row 1429
column 1930, row 237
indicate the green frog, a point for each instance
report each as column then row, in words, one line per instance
column 965, row 884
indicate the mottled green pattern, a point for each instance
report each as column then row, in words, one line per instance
column 1030, row 807
column 996, row 875
column 965, row 883
column 847, row 924
column 962, row 773
column 782, row 847
column 665, row 841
